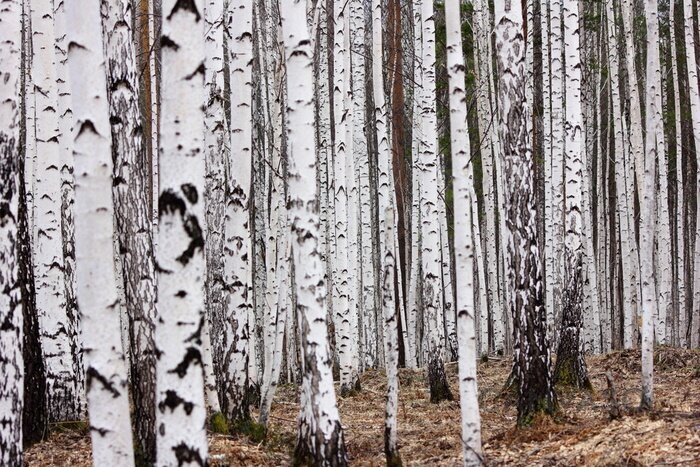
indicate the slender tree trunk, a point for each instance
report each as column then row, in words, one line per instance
column 654, row 126
column 531, row 349
column 635, row 114
column 105, row 367
column 216, row 139
column 341, row 76
column 320, row 439
column 181, row 413
column 571, row 366
column 693, row 85
column 132, row 211
column 237, row 247
column 488, row 150
column 387, row 245
column 61, row 350
column 464, row 245
column 680, row 337
column 11, row 332
column 432, row 295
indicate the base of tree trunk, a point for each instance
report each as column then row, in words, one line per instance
column 571, row 368
column 351, row 389
column 313, row 449
column 439, row 389
column 647, row 404
column 393, row 459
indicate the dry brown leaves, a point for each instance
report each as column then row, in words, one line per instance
column 429, row 434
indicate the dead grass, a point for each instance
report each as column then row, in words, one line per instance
column 429, row 433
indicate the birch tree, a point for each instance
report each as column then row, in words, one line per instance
column 105, row 367
column 464, row 244
column 386, row 245
column 181, row 413
column 11, row 332
column 531, row 349
column 431, row 273
column 132, row 214
column 571, row 366
column 216, row 144
column 693, row 85
column 654, row 126
column 320, row 439
column 57, row 328
column 679, row 337
column 237, row 243
column 341, row 76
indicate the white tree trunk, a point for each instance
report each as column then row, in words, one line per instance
column 464, row 244
column 622, row 164
column 432, row 296
column 554, row 178
column 488, row 146
column 341, row 263
column 320, row 438
column 636, row 140
column 654, row 127
column 446, row 277
column 237, row 247
column 531, row 350
column 105, row 368
column 216, row 139
column 11, row 332
column 181, row 413
column 387, row 240
column 693, row 85
column 57, row 328
column 680, row 337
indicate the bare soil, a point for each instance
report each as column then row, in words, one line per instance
column 582, row 434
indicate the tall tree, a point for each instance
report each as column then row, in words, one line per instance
column 105, row 367
column 571, row 365
column 464, row 243
column 58, row 330
column 531, row 348
column 431, row 273
column 320, row 440
column 181, row 413
column 133, row 215
column 694, row 91
column 387, row 250
column 237, row 243
column 216, row 144
column 11, row 331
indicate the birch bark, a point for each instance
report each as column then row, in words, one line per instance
column 216, row 138
column 11, row 332
column 134, row 227
column 320, row 440
column 464, row 244
column 531, row 349
column 181, row 413
column 680, row 289
column 61, row 350
column 654, row 126
column 105, row 368
column 237, row 245
column 387, row 241
column 571, row 365
column 432, row 295
column 693, row 85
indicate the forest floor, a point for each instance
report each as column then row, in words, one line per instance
column 429, row 434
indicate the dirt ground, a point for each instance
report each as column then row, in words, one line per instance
column 583, row 433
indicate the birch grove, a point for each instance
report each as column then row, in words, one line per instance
column 217, row 214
